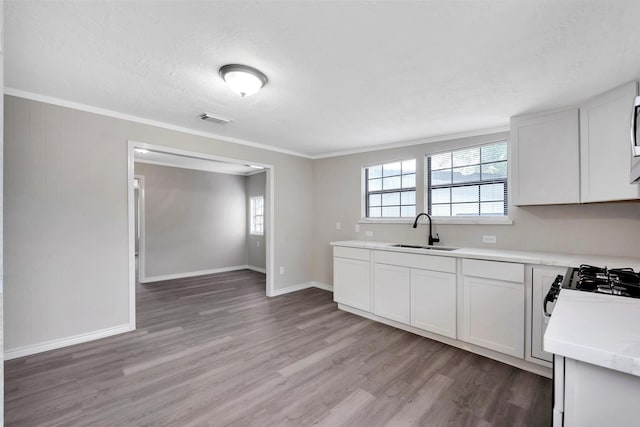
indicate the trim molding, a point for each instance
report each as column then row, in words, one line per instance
column 110, row 113
column 65, row 342
column 195, row 273
column 300, row 287
column 258, row 269
column 437, row 138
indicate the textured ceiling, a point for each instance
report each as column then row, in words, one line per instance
column 342, row 75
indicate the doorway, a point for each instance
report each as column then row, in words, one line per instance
column 136, row 190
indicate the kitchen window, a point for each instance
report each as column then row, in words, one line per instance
column 257, row 215
column 468, row 183
column 390, row 190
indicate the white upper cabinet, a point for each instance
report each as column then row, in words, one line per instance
column 605, row 146
column 545, row 158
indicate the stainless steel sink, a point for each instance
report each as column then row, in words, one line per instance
column 431, row 248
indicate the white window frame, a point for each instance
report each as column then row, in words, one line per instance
column 254, row 215
column 488, row 220
column 363, row 194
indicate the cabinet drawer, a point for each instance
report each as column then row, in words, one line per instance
column 352, row 253
column 425, row 262
column 506, row 271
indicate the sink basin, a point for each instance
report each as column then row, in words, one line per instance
column 431, row 248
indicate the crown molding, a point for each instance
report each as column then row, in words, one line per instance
column 110, row 113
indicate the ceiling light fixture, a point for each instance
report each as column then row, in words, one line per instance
column 256, row 166
column 242, row 79
column 141, row 150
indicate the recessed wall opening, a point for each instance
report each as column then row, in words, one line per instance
column 192, row 215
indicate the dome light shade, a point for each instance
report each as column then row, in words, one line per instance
column 242, row 79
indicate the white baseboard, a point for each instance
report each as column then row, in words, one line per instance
column 193, row 273
column 64, row 342
column 258, row 269
column 300, row 287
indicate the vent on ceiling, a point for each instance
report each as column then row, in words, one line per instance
column 215, row 119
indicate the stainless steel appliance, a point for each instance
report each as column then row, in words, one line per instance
column 617, row 282
column 635, row 142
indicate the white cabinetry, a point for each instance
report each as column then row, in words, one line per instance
column 545, row 158
column 493, row 306
column 542, row 279
column 418, row 290
column 604, row 146
column 391, row 292
column 352, row 277
column 433, row 301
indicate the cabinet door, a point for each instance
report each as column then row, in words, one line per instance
column 433, row 301
column 351, row 283
column 493, row 315
column 545, row 159
column 605, row 146
column 543, row 277
column 391, row 292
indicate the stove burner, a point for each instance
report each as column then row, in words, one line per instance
column 617, row 281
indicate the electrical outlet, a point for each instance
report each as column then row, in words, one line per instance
column 338, row 225
column 357, row 228
column 369, row 233
column 489, row 239
column 281, row 270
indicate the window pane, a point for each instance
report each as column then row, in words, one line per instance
column 391, row 183
column 409, row 166
column 391, row 211
column 441, row 177
column 494, row 171
column 492, row 209
column 408, row 198
column 408, row 211
column 465, row 209
column 494, row 152
column 441, row 161
column 375, row 184
column 409, row 181
column 440, row 195
column 375, row 200
column 492, row 192
column 375, row 212
column 375, row 171
column 465, row 194
column 470, row 156
column 441, row 210
column 391, row 169
column 467, row 174
column 390, row 199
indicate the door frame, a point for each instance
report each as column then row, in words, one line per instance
column 269, row 201
column 141, row 241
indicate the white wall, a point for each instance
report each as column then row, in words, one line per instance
column 606, row 229
column 66, row 228
column 194, row 220
column 256, row 254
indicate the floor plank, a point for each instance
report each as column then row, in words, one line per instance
column 213, row 350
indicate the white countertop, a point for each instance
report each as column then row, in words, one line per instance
column 525, row 257
column 603, row 330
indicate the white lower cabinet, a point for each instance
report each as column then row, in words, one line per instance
column 493, row 309
column 391, row 292
column 433, row 301
column 352, row 282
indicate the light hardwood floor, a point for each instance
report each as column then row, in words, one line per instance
column 213, row 350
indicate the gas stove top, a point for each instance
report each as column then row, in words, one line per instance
column 616, row 281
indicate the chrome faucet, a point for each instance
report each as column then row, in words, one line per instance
column 432, row 239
